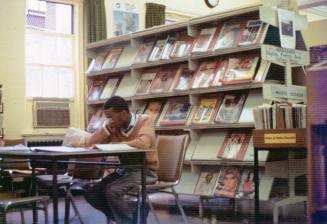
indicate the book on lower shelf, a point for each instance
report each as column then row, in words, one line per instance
column 235, row 145
column 177, row 111
column 206, row 183
column 228, row 181
column 205, row 109
column 231, row 107
column 112, row 58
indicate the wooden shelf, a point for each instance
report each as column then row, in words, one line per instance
column 102, row 101
column 280, row 138
column 160, row 63
column 160, row 95
column 241, row 86
column 221, row 126
column 220, row 52
column 172, row 127
column 224, row 162
column 114, row 71
column 104, row 43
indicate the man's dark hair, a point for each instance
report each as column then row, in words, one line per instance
column 117, row 103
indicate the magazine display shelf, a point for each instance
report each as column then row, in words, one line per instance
column 290, row 140
column 272, row 73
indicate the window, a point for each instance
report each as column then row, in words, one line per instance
column 49, row 49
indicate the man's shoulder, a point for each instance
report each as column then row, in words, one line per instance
column 144, row 119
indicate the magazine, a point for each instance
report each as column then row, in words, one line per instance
column 143, row 52
column 246, row 186
column 251, row 32
column 228, row 36
column 157, row 50
column 205, row 109
column 163, row 80
column 206, row 183
column 228, row 181
column 112, row 58
column 202, row 42
column 96, row 121
column 177, row 112
column 240, row 69
column 230, row 108
column 96, row 89
column 221, row 69
column 153, row 109
column 182, row 45
column 145, row 83
column 109, row 88
column 184, row 79
column 204, row 75
column 168, row 47
column 235, row 145
column 99, row 60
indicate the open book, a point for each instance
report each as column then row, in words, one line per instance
column 114, row 147
column 58, row 149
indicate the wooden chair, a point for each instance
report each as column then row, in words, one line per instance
column 171, row 152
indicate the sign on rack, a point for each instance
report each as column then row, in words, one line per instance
column 277, row 92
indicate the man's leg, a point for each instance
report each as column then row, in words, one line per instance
column 96, row 195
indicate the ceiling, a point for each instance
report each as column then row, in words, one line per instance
column 318, row 7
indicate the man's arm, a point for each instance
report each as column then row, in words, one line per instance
column 146, row 137
column 100, row 136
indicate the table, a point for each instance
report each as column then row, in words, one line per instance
column 55, row 157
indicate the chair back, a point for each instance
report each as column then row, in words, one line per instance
column 171, row 151
column 18, row 165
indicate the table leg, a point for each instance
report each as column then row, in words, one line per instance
column 33, row 192
column 256, row 186
column 55, row 191
column 143, row 192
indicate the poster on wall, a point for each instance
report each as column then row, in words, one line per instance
column 126, row 18
column 286, row 28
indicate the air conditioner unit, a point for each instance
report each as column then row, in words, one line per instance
column 51, row 114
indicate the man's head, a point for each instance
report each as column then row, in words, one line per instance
column 116, row 109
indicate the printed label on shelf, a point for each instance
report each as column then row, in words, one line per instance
column 277, row 91
column 283, row 55
column 280, row 138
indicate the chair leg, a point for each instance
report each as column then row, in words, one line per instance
column 74, row 206
column 179, row 205
column 46, row 214
column 22, row 215
column 152, row 209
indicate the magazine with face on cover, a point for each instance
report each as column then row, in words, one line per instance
column 177, row 112
column 228, row 181
column 229, row 35
column 205, row 110
column 143, row 52
column 183, row 79
column 204, row 75
column 231, row 108
column 206, row 183
column 163, row 80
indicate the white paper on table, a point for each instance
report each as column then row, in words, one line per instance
column 114, row 147
column 286, row 23
column 58, row 149
column 16, row 147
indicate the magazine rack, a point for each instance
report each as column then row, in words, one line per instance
column 203, row 149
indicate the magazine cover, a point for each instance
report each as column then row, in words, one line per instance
column 145, row 83
column 91, row 66
column 177, row 112
column 112, row 58
column 251, row 32
column 240, row 69
column 168, row 47
column 96, row 121
column 99, row 60
column 221, row 69
column 206, row 183
column 202, row 42
column 228, row 181
column 96, row 89
column 228, row 36
column 143, row 52
column 163, row 80
column 205, row 110
column 182, row 45
column 153, row 109
column 235, row 145
column 157, row 50
column 109, row 88
column 204, row 75
column 184, row 80
column 230, row 108
column 246, row 187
